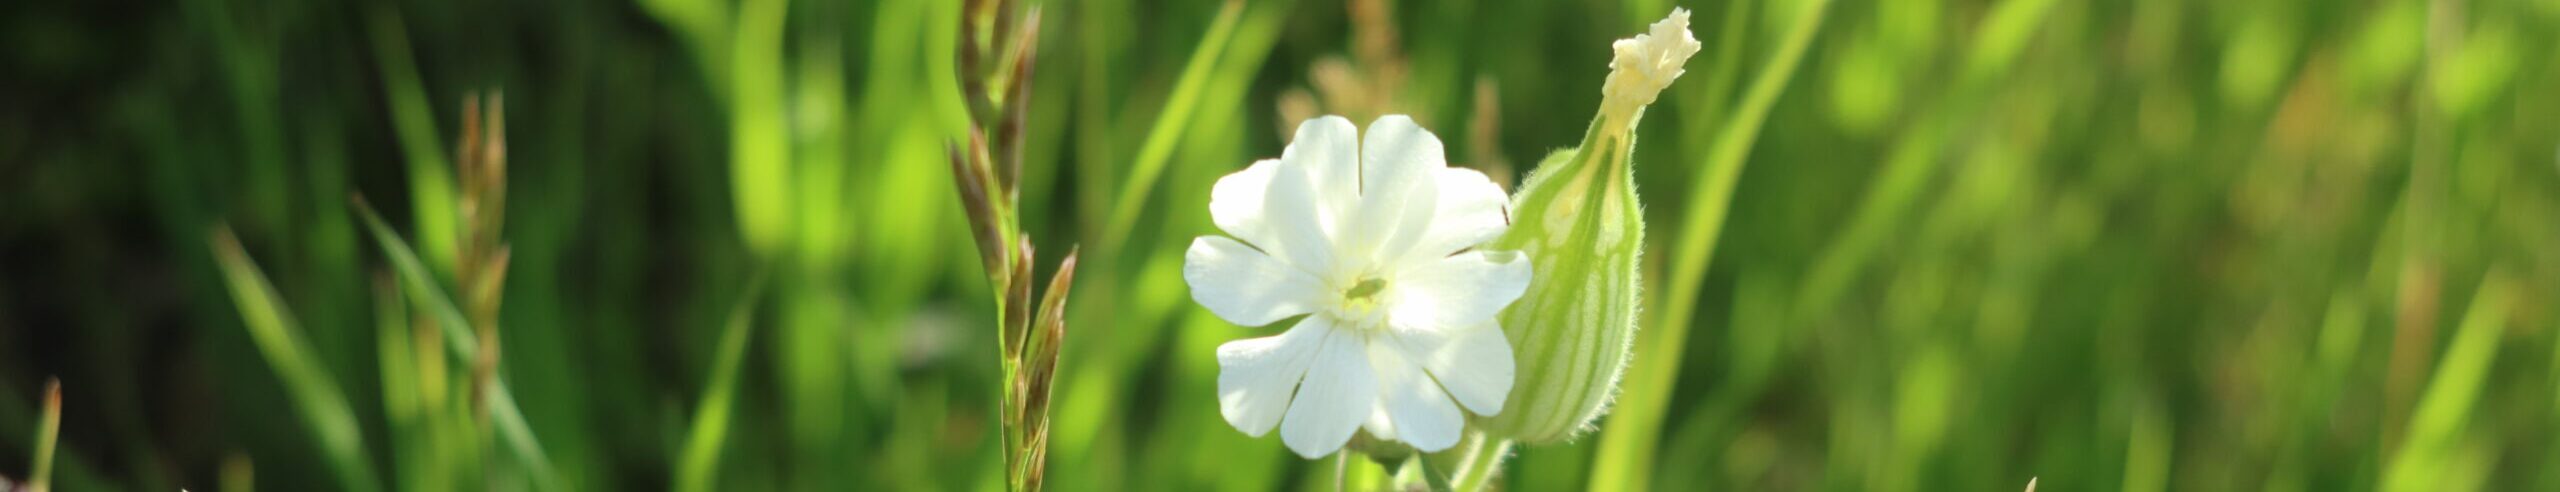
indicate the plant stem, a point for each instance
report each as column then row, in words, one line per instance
column 1431, row 475
column 1341, row 470
column 1482, row 464
column 1626, row 447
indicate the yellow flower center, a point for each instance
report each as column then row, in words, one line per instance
column 1359, row 306
column 1365, row 289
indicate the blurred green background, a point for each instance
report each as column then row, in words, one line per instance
column 2118, row 245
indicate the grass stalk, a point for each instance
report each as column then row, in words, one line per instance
column 461, row 345
column 1627, row 444
column 402, row 399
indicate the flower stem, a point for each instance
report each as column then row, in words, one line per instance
column 1431, row 475
column 1341, row 470
column 1482, row 464
column 1626, row 447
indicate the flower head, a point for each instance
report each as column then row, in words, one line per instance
column 1373, row 241
column 1648, row 62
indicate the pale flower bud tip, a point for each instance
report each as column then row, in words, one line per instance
column 1643, row 65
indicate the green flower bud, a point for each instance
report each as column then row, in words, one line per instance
column 1578, row 221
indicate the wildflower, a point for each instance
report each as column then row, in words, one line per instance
column 1373, row 240
column 1582, row 228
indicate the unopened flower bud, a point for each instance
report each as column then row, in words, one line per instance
column 1578, row 221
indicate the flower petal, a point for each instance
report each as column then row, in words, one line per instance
column 1244, row 286
column 1379, row 425
column 1395, row 150
column 1456, row 291
column 1339, row 393
column 1236, row 202
column 1417, row 409
column 1300, row 220
column 1256, row 376
column 1326, row 150
column 1397, row 190
column 1474, row 364
column 1471, row 210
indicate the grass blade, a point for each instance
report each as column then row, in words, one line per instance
column 429, row 175
column 2437, row 427
column 411, row 457
column 425, row 294
column 423, row 290
column 48, row 435
column 315, row 392
column 1170, row 124
column 519, row 436
column 760, row 174
column 711, row 415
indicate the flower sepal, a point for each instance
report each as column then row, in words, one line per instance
column 1578, row 220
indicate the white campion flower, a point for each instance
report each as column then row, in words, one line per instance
column 1648, row 62
column 1373, row 241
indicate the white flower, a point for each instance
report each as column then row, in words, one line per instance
column 1372, row 241
column 1647, row 63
